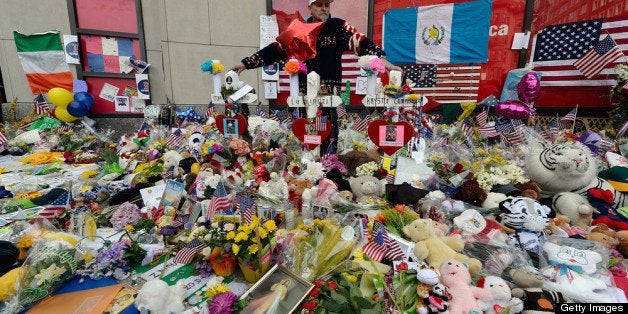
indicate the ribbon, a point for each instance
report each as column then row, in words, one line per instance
column 563, row 269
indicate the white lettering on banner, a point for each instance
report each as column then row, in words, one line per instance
column 325, row 101
column 192, row 284
column 383, row 101
column 248, row 98
column 156, row 271
column 501, row 30
column 217, row 99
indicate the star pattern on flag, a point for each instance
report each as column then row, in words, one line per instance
column 185, row 254
column 247, row 207
column 219, row 201
column 421, row 75
column 490, row 101
column 574, row 38
column 175, row 138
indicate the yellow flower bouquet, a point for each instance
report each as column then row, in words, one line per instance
column 252, row 244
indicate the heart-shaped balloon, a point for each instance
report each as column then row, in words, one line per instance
column 513, row 109
column 529, row 87
column 390, row 137
column 298, row 128
column 224, row 123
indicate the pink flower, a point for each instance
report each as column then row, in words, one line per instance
column 223, row 303
column 377, row 65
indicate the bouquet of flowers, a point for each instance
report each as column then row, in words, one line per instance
column 318, row 253
column 252, row 244
column 116, row 260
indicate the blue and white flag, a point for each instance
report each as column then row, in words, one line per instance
column 437, row 34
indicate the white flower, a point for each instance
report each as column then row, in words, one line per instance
column 367, row 169
column 314, row 171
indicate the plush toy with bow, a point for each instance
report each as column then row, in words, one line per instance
column 570, row 271
column 502, row 296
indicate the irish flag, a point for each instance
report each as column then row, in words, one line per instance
column 43, row 61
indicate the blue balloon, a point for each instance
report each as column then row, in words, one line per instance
column 78, row 109
column 85, row 98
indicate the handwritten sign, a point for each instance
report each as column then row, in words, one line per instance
column 155, row 272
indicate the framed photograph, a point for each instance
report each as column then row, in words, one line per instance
column 390, row 135
column 122, row 104
column 321, row 212
column 231, row 127
column 279, row 291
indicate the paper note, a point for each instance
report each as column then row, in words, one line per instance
column 108, row 92
column 520, row 41
column 270, row 90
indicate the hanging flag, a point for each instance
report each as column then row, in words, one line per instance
column 175, row 139
column 40, row 104
column 555, row 60
column 445, row 83
column 185, row 254
column 219, row 201
column 246, row 206
column 596, row 59
column 447, row 33
column 321, row 123
column 43, row 61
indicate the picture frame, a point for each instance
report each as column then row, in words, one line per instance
column 231, row 127
column 260, row 295
column 321, row 212
column 391, row 135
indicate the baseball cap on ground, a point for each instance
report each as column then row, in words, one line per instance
column 324, row 1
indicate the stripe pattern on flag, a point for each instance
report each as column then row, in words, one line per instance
column 43, row 61
column 219, row 201
column 605, row 52
column 40, row 104
column 246, row 206
column 556, row 60
column 175, row 138
column 445, row 83
column 186, row 253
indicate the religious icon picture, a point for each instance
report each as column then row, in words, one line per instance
column 390, row 135
column 278, row 291
column 231, row 127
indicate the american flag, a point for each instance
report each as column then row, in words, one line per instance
column 3, row 138
column 175, row 138
column 350, row 72
column 488, row 130
column 64, row 128
column 284, row 116
column 260, row 111
column 361, row 122
column 559, row 46
column 620, row 132
column 482, row 118
column 246, row 206
column 211, row 109
column 321, row 123
column 219, row 201
column 466, row 127
column 341, row 110
column 186, row 253
column 445, row 83
column 504, row 125
column 381, row 245
column 594, row 61
column 490, row 101
column 40, row 104
column 55, row 207
column 569, row 117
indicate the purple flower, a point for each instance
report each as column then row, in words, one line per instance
column 223, row 303
column 204, row 268
column 168, row 230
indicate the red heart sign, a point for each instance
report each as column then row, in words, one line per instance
column 223, row 124
column 298, row 128
column 390, row 137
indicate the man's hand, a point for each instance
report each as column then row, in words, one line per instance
column 238, row 68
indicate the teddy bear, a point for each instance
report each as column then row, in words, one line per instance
column 456, row 277
column 171, row 162
column 570, row 271
column 622, row 246
column 502, row 296
column 529, row 219
column 433, row 295
column 580, row 215
column 560, row 226
column 472, row 226
column 529, row 290
column 157, row 297
column 276, row 188
column 366, row 188
column 336, row 176
column 436, row 250
column 355, row 158
column 529, row 189
column 603, row 234
column 296, row 186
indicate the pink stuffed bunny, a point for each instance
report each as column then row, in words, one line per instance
column 456, row 277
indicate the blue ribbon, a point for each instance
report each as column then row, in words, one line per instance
column 563, row 268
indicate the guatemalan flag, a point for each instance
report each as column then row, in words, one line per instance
column 437, row 34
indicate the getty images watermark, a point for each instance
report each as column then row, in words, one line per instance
column 591, row 308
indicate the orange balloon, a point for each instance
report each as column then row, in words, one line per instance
column 299, row 39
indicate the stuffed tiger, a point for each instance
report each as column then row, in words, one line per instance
column 567, row 167
column 529, row 219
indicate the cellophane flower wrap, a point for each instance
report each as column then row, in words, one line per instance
column 314, row 254
column 50, row 262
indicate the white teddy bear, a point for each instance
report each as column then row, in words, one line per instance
column 276, row 188
column 502, row 296
column 157, row 297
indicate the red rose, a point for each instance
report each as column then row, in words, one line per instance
column 332, row 285
column 402, row 266
column 318, row 283
column 314, row 293
column 310, row 305
column 229, row 106
column 458, row 168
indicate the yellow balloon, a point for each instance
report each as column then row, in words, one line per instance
column 196, row 167
column 63, row 115
column 60, row 96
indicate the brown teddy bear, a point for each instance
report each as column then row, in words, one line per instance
column 296, row 186
column 605, row 235
column 355, row 158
